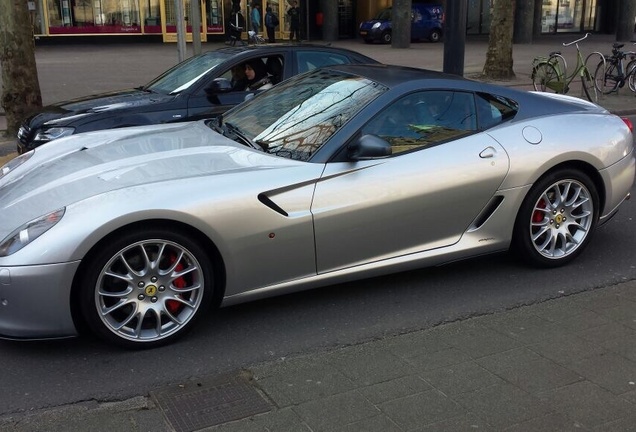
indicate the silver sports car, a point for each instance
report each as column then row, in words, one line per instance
column 340, row 173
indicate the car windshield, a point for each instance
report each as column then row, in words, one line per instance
column 296, row 118
column 384, row 15
column 186, row 73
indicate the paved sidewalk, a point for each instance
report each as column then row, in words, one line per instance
column 564, row 364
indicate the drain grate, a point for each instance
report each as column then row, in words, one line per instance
column 206, row 403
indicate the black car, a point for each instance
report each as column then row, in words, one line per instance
column 199, row 87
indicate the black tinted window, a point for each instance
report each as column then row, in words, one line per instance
column 493, row 110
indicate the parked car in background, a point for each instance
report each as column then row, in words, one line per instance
column 194, row 89
column 427, row 22
column 344, row 172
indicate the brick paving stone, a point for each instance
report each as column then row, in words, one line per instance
column 467, row 422
column 336, row 411
column 588, row 404
column 460, row 378
column 476, row 340
column 422, row 409
column 566, row 349
column 610, row 371
column 394, row 389
column 548, row 423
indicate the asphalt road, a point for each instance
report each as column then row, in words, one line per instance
column 42, row 374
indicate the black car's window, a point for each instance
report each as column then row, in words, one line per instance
column 273, row 64
column 424, row 118
column 186, row 73
column 308, row 60
column 493, row 110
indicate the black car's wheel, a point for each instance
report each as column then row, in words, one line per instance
column 435, row 36
column 557, row 218
column 386, row 37
column 146, row 288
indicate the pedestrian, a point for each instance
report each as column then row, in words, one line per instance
column 256, row 18
column 271, row 21
column 294, row 21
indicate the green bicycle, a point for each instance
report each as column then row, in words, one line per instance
column 549, row 74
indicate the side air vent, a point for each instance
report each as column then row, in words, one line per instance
column 494, row 203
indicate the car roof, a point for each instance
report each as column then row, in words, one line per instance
column 392, row 75
column 288, row 46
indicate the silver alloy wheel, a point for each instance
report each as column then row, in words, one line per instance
column 561, row 219
column 149, row 290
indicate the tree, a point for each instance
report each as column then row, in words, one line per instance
column 499, row 56
column 21, row 94
column 625, row 28
column 401, row 24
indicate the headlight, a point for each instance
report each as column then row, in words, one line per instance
column 29, row 232
column 53, row 133
column 14, row 163
column 376, row 25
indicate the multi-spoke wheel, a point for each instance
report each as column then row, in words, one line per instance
column 557, row 218
column 546, row 79
column 146, row 288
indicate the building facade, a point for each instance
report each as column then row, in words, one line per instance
column 157, row 19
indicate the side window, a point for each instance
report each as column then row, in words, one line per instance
column 311, row 60
column 493, row 110
column 271, row 66
column 425, row 118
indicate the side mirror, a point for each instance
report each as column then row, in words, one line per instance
column 219, row 85
column 369, row 147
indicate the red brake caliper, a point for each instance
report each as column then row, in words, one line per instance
column 538, row 215
column 174, row 306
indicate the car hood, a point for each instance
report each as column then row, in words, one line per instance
column 63, row 113
column 90, row 164
column 367, row 25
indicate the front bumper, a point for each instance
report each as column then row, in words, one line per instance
column 373, row 34
column 35, row 301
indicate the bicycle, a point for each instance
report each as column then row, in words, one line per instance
column 550, row 73
column 611, row 74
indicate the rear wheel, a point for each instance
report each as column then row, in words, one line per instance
column 146, row 289
column 630, row 75
column 545, row 78
column 557, row 218
column 605, row 77
column 386, row 37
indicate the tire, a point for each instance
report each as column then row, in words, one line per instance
column 386, row 37
column 147, row 288
column 605, row 77
column 435, row 36
column 545, row 78
column 588, row 85
column 557, row 219
column 630, row 75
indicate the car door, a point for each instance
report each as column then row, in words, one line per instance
column 442, row 174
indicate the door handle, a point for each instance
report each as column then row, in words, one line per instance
column 488, row 152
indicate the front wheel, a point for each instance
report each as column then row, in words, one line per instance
column 545, row 78
column 146, row 288
column 556, row 220
column 386, row 37
column 435, row 36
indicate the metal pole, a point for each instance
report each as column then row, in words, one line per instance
column 195, row 21
column 455, row 36
column 181, row 33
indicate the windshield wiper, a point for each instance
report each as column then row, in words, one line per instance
column 238, row 133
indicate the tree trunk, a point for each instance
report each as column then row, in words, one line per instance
column 401, row 24
column 20, row 86
column 499, row 56
column 625, row 28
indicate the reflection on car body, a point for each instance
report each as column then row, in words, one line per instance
column 135, row 233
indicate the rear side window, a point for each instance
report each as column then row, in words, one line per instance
column 492, row 110
column 308, row 60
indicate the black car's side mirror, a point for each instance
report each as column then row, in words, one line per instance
column 369, row 147
column 219, row 85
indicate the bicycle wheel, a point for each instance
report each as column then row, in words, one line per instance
column 545, row 78
column 605, row 77
column 589, row 87
column 630, row 75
